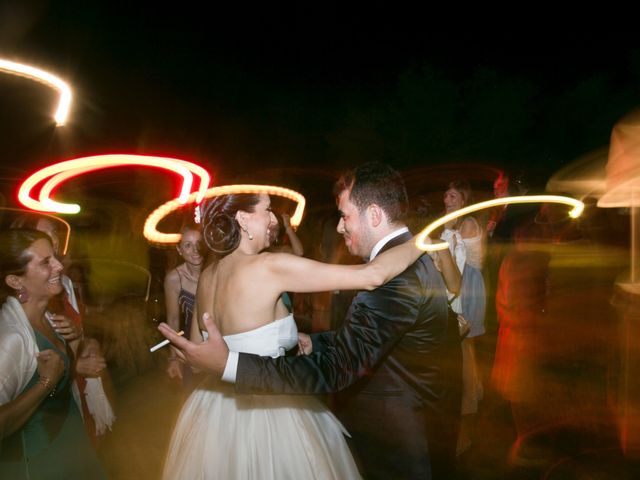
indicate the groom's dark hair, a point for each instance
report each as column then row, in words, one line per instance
column 377, row 183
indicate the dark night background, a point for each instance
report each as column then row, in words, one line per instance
column 308, row 90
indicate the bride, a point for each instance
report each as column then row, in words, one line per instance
column 223, row 435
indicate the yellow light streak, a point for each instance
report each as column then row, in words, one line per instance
column 60, row 172
column 33, row 73
column 575, row 212
column 53, row 217
column 150, row 225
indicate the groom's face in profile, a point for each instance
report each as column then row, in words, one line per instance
column 353, row 227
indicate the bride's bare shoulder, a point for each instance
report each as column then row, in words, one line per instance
column 276, row 256
column 276, row 261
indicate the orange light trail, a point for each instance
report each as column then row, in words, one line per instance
column 150, row 225
column 64, row 104
column 60, row 172
column 55, row 219
column 575, row 212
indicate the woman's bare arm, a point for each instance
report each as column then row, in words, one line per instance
column 449, row 270
column 14, row 414
column 171, row 292
column 297, row 274
column 469, row 228
column 195, row 335
column 296, row 244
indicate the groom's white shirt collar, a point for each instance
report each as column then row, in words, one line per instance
column 386, row 239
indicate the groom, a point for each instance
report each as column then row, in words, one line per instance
column 395, row 360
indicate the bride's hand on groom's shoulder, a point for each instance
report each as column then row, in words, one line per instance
column 305, row 345
column 210, row 355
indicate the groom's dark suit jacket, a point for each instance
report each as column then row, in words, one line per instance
column 395, row 362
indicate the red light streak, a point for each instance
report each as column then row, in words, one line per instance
column 63, row 171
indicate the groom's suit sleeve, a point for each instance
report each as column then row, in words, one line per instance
column 375, row 323
column 323, row 340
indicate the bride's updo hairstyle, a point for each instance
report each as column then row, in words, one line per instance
column 220, row 229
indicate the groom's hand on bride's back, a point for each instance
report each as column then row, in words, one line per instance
column 210, row 355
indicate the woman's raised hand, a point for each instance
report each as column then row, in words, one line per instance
column 65, row 327
column 50, row 365
column 90, row 362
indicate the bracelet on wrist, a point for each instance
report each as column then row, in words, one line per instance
column 48, row 385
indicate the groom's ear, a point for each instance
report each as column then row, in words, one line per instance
column 375, row 215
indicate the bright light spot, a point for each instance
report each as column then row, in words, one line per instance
column 150, row 225
column 575, row 212
column 47, row 78
column 60, row 172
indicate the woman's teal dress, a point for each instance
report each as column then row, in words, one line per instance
column 53, row 443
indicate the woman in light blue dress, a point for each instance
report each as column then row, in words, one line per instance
column 467, row 244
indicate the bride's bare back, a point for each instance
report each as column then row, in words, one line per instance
column 239, row 294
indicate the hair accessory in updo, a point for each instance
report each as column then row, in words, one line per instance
column 220, row 229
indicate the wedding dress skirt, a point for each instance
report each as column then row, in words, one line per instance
column 222, row 435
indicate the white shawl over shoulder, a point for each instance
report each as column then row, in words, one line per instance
column 18, row 350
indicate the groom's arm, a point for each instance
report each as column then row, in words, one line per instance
column 322, row 340
column 377, row 321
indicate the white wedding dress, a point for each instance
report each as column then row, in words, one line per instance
column 222, row 435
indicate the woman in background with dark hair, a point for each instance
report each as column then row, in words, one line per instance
column 90, row 367
column 180, row 286
column 41, row 429
column 467, row 240
column 223, row 435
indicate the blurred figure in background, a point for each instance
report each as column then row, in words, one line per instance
column 504, row 219
column 180, row 286
column 500, row 190
column 467, row 245
column 283, row 229
column 41, row 426
column 90, row 375
column 556, row 337
column 521, row 304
